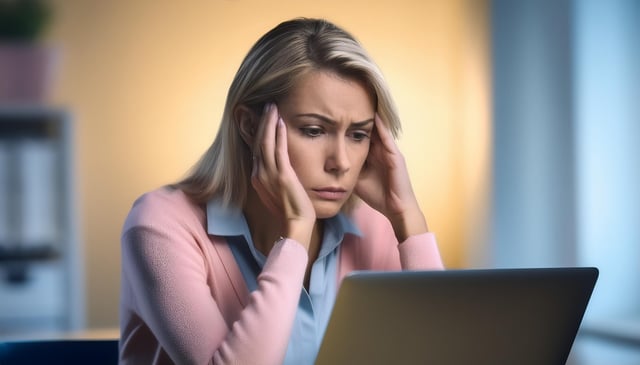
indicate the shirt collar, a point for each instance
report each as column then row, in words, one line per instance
column 225, row 220
column 335, row 228
column 230, row 221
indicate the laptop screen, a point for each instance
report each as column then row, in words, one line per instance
column 491, row 316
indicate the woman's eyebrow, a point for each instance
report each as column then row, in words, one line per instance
column 330, row 121
column 362, row 124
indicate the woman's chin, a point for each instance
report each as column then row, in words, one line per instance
column 327, row 209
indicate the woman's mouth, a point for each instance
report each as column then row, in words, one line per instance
column 330, row 193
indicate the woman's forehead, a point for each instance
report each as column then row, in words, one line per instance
column 328, row 92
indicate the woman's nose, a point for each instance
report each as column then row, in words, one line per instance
column 337, row 157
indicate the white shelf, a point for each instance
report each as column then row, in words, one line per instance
column 40, row 268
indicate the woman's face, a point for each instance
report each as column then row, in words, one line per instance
column 329, row 124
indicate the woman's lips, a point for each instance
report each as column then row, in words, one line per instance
column 330, row 193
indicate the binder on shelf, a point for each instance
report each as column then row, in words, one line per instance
column 5, row 233
column 38, row 192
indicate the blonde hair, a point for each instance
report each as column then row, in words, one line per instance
column 268, row 73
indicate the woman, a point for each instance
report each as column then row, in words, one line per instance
column 241, row 261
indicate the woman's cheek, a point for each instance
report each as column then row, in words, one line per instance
column 363, row 155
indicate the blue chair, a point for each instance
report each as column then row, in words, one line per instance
column 59, row 352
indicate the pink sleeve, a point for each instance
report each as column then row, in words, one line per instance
column 262, row 333
column 420, row 252
column 167, row 280
column 378, row 248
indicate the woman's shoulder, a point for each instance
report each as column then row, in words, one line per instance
column 163, row 206
column 373, row 225
column 376, row 246
column 368, row 219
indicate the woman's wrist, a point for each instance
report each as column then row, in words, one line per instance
column 409, row 223
column 299, row 231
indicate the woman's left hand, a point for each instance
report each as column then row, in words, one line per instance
column 384, row 184
column 275, row 181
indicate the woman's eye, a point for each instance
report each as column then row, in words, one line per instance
column 359, row 136
column 311, row 131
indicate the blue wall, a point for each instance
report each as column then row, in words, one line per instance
column 567, row 142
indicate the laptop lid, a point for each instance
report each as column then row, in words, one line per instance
column 455, row 317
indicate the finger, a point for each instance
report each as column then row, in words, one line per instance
column 384, row 134
column 258, row 180
column 282, row 148
column 265, row 195
column 268, row 140
column 260, row 132
column 377, row 149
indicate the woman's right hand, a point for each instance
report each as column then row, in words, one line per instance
column 276, row 182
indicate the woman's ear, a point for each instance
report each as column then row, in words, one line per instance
column 247, row 122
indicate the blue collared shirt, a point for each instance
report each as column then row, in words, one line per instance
column 315, row 305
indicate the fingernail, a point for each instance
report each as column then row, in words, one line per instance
column 280, row 121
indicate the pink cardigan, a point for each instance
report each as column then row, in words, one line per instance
column 184, row 299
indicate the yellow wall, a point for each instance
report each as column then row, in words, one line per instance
column 146, row 81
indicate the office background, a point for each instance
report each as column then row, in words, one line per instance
column 521, row 122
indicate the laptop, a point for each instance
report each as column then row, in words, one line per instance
column 458, row 317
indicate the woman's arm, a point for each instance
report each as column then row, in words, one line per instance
column 420, row 252
column 167, row 278
column 379, row 249
column 384, row 184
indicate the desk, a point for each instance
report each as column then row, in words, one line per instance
column 90, row 334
